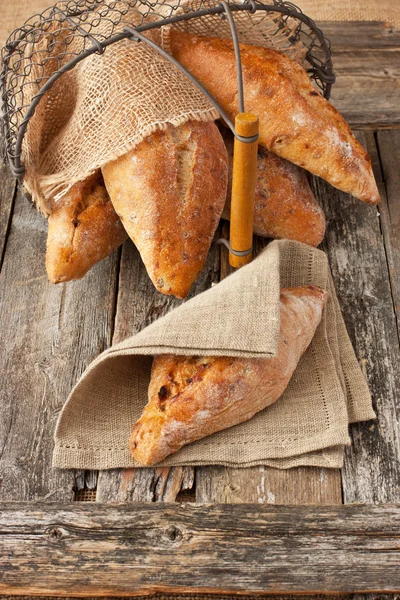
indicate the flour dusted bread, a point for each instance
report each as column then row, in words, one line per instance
column 296, row 122
column 83, row 229
column 284, row 205
column 192, row 397
column 169, row 193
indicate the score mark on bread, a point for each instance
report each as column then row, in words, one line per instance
column 169, row 192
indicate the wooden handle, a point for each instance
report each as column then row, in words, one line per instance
column 243, row 188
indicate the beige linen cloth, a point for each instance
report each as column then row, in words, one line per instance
column 308, row 425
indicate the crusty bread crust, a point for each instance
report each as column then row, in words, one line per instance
column 83, row 229
column 169, row 193
column 284, row 205
column 192, row 397
column 296, row 122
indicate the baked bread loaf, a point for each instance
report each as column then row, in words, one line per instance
column 83, row 229
column 296, row 122
column 192, row 397
column 284, row 205
column 169, row 193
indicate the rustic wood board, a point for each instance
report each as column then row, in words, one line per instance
column 130, row 549
column 49, row 350
column 388, row 143
column 240, row 596
column 49, row 335
column 366, row 92
column 8, row 189
column 357, row 255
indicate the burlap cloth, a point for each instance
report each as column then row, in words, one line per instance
column 109, row 103
column 308, row 425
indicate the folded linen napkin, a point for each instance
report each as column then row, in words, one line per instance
column 308, row 425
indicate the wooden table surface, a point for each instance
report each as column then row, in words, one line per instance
column 50, row 334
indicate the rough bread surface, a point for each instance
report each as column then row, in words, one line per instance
column 83, row 229
column 296, row 122
column 284, row 205
column 169, row 193
column 192, row 397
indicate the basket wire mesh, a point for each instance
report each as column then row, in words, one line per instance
column 53, row 42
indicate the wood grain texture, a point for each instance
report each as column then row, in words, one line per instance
column 346, row 35
column 366, row 61
column 357, row 257
column 222, row 597
column 389, row 154
column 49, row 335
column 104, row 549
column 139, row 304
column 367, row 88
column 8, row 189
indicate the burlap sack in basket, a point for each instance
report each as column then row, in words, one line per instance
column 308, row 425
column 108, row 103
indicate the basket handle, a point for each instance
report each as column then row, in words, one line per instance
column 243, row 189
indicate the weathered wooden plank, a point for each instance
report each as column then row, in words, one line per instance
column 8, row 188
column 265, row 485
column 389, row 153
column 356, row 251
column 366, row 91
column 95, row 548
column 241, row 596
column 139, row 304
column 345, row 35
column 49, row 335
column 224, row 597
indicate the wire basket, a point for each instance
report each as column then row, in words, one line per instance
column 76, row 29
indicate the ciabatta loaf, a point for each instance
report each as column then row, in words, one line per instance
column 296, row 122
column 169, row 193
column 190, row 398
column 284, row 205
column 83, row 229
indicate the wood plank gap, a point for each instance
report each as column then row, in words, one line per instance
column 385, row 225
column 116, row 296
column 355, row 249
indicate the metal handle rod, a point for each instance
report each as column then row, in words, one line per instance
column 239, row 72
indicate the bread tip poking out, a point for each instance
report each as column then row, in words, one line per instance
column 191, row 397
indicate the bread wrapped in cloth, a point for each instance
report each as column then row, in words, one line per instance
column 83, row 229
column 192, row 397
column 169, row 193
column 296, row 122
column 284, row 205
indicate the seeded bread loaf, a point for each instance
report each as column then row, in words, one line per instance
column 296, row 122
column 169, row 193
column 192, row 397
column 83, row 229
column 284, row 205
